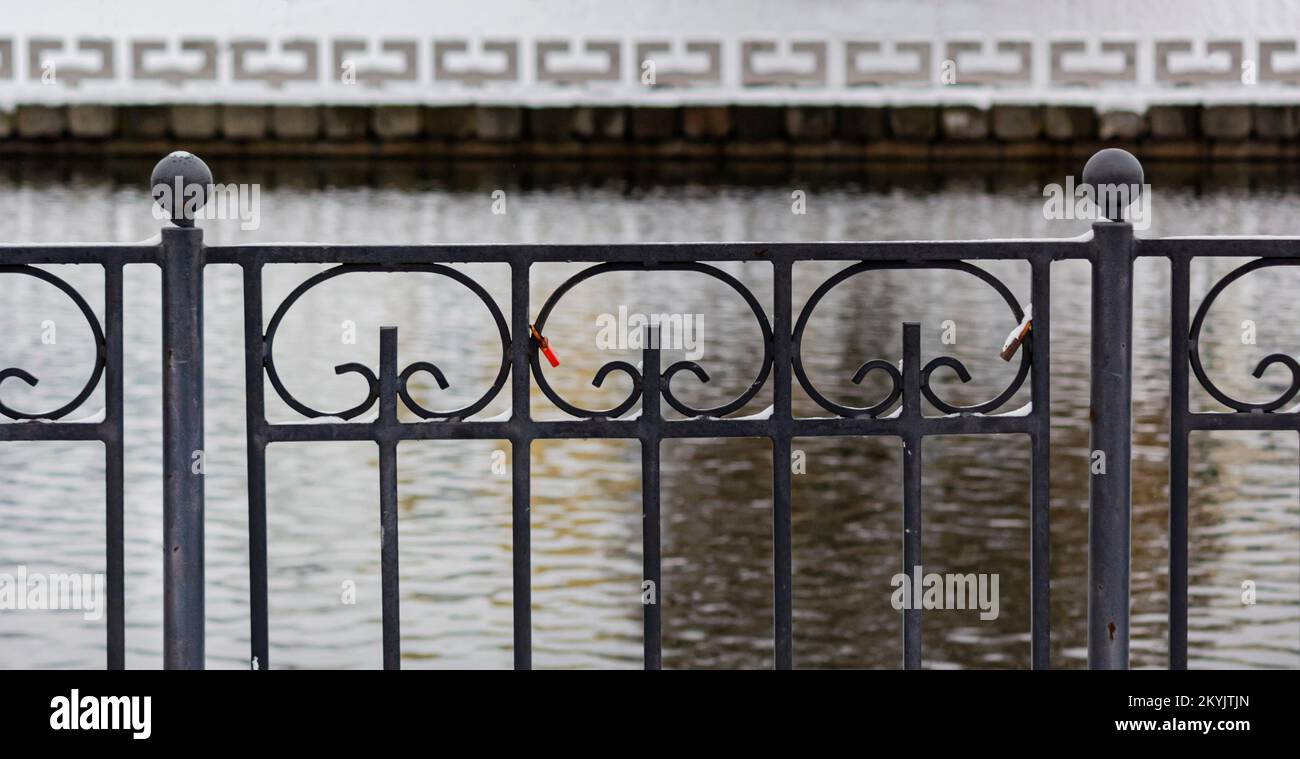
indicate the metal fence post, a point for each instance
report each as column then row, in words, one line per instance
column 183, row 457
column 1110, row 410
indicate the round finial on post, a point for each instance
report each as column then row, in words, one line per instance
column 1114, row 177
column 180, row 185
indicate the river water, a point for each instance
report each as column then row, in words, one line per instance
column 717, row 581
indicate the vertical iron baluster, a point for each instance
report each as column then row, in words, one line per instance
column 182, row 408
column 114, row 442
column 1110, row 454
column 651, row 435
column 255, row 420
column 386, row 435
column 521, row 452
column 910, row 415
column 1040, row 486
column 1179, row 332
column 521, row 496
column 782, row 424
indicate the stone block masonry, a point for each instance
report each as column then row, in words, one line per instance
column 696, row 132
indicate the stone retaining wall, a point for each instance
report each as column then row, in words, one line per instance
column 1010, row 132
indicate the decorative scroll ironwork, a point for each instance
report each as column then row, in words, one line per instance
column 890, row 370
column 681, row 366
column 101, row 350
column 403, row 378
column 1194, row 346
column 1111, row 250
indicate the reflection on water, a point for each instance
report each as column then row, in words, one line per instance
column 717, row 577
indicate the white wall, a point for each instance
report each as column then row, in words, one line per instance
column 831, row 26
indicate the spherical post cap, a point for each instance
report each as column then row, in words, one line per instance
column 179, row 185
column 1111, row 169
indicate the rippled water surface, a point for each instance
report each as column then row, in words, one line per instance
column 454, row 498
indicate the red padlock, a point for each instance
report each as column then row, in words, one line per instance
column 545, row 345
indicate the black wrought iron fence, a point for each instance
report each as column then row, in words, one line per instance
column 902, row 413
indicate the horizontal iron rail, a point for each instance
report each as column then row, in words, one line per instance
column 652, row 252
column 1218, row 247
column 1243, row 421
column 37, row 431
column 943, row 250
column 1006, row 424
column 107, row 254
